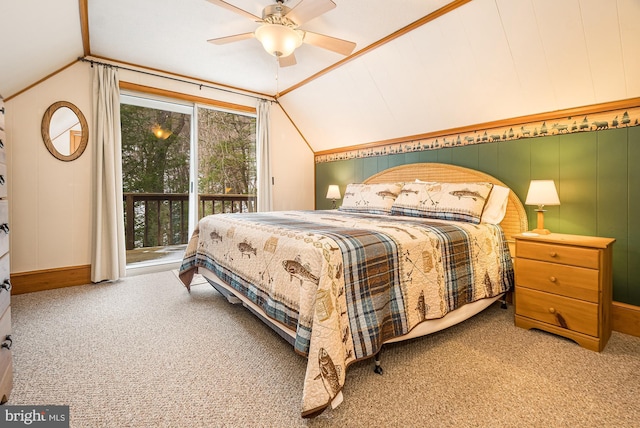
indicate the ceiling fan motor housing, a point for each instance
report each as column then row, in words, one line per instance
column 276, row 14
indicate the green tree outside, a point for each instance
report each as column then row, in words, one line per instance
column 155, row 160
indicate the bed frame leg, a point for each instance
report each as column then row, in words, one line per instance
column 503, row 302
column 378, row 367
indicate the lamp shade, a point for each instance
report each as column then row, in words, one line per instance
column 278, row 40
column 542, row 192
column 333, row 192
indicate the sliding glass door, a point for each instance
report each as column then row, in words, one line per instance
column 226, row 162
column 181, row 162
column 156, row 147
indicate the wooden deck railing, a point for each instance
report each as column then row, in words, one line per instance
column 160, row 219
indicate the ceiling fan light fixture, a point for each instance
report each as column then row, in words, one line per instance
column 278, row 40
column 160, row 133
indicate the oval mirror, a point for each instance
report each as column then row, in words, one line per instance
column 64, row 131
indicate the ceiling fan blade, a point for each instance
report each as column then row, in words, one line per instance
column 307, row 10
column 231, row 39
column 235, row 9
column 287, row 61
column 340, row 46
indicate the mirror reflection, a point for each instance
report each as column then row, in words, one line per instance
column 64, row 131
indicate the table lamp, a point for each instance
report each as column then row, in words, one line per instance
column 333, row 193
column 541, row 193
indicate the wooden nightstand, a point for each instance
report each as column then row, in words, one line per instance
column 563, row 286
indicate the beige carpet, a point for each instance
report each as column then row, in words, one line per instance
column 145, row 353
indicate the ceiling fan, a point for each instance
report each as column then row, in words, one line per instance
column 279, row 30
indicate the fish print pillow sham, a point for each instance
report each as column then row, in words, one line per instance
column 370, row 198
column 444, row 201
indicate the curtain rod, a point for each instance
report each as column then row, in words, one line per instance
column 175, row 79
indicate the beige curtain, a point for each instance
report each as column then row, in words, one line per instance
column 263, row 157
column 108, row 259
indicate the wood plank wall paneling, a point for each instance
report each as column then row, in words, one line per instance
column 633, row 232
column 468, row 156
column 596, row 173
column 612, row 191
column 545, row 164
column 488, row 158
column 578, row 187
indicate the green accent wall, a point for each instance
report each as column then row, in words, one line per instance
column 597, row 176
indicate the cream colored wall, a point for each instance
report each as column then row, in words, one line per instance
column 50, row 200
column 292, row 165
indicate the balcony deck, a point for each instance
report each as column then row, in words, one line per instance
column 155, row 255
column 157, row 218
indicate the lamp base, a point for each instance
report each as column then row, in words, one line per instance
column 541, row 231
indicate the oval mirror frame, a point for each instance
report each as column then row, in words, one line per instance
column 46, row 137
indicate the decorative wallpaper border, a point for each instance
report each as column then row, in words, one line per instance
column 612, row 119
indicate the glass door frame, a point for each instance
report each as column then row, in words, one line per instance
column 191, row 109
column 158, row 103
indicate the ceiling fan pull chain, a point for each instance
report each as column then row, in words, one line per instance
column 277, row 62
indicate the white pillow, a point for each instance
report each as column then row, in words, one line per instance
column 445, row 201
column 496, row 206
column 370, row 198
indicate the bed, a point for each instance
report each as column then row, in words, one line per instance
column 412, row 250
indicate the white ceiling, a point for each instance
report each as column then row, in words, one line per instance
column 486, row 60
column 172, row 35
column 39, row 38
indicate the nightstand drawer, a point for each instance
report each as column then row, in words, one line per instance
column 575, row 256
column 571, row 281
column 571, row 314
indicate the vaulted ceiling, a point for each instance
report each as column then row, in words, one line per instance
column 418, row 66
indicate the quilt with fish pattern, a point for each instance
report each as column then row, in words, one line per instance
column 345, row 282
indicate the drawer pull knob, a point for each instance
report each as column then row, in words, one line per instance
column 6, row 345
column 553, row 254
column 553, row 279
column 559, row 318
column 561, row 321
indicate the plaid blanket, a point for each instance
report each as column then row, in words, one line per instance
column 345, row 283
